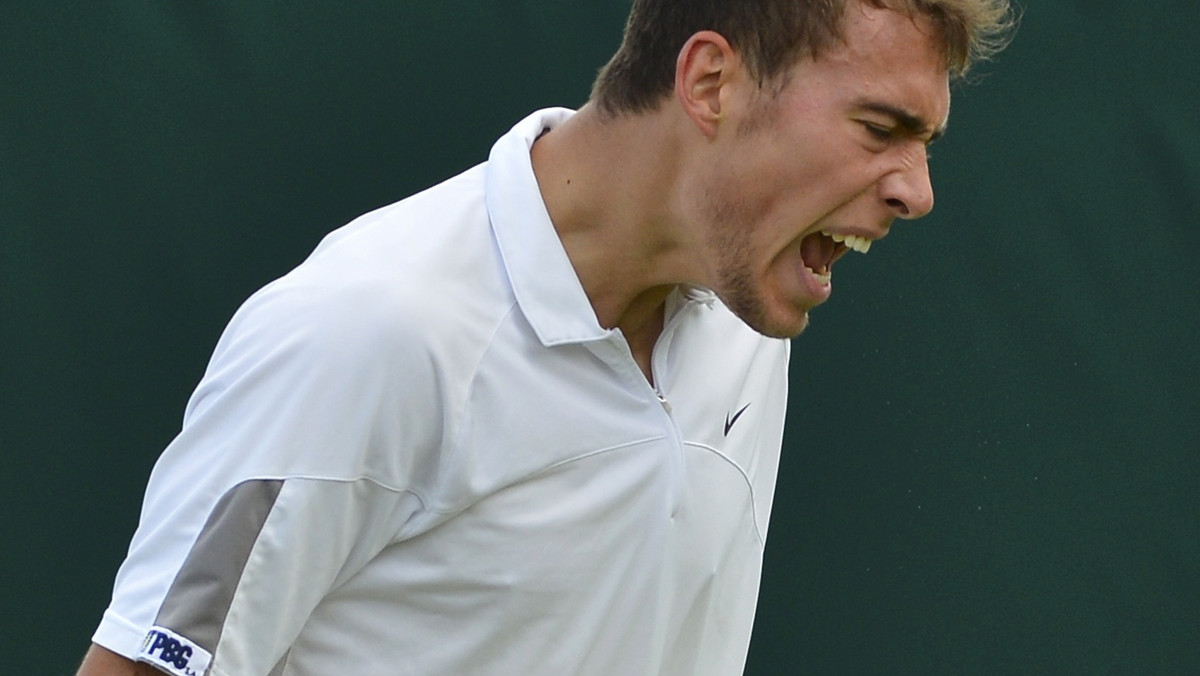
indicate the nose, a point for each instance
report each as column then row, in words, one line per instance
column 908, row 191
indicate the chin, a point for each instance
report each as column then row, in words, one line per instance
column 785, row 330
column 768, row 313
column 779, row 325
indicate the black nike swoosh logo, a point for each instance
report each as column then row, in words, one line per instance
column 730, row 421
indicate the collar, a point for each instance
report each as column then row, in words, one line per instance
column 543, row 280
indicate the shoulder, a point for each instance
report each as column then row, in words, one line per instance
column 390, row 312
column 394, row 283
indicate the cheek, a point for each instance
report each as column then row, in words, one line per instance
column 736, row 197
column 814, row 192
column 820, row 170
column 777, row 187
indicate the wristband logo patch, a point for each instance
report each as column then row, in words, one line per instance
column 174, row 653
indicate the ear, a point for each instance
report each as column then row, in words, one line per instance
column 703, row 71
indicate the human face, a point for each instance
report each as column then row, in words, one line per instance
column 824, row 165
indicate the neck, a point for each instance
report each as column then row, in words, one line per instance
column 608, row 185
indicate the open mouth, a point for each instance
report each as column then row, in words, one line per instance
column 821, row 249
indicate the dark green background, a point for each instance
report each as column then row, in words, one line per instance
column 993, row 455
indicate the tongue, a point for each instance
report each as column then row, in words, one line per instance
column 817, row 251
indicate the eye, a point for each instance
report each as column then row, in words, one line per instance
column 879, row 131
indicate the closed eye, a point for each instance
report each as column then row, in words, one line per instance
column 879, row 131
column 886, row 133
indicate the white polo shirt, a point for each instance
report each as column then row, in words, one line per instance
column 419, row 453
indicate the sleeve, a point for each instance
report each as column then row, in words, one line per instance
column 309, row 445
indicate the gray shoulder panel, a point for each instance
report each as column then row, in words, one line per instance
column 200, row 596
column 278, row 670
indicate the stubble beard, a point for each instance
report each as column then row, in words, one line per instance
column 736, row 281
column 734, row 219
column 739, row 295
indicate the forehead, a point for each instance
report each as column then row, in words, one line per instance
column 868, row 31
column 887, row 57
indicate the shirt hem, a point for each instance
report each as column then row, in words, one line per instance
column 119, row 635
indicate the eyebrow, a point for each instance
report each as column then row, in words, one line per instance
column 914, row 125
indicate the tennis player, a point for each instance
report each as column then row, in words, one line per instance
column 528, row 421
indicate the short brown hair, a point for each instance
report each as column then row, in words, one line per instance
column 772, row 35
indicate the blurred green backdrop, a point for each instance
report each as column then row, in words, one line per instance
column 992, row 464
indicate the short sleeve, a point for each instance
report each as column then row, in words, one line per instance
column 308, row 447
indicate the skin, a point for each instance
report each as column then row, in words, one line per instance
column 718, row 186
column 100, row 661
column 841, row 149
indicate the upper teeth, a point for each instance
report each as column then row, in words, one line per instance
column 859, row 244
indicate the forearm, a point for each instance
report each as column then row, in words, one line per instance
column 101, row 661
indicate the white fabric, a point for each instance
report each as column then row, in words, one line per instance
column 477, row 478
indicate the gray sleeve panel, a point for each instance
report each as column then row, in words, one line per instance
column 278, row 670
column 200, row 596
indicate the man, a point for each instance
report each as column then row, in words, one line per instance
column 528, row 421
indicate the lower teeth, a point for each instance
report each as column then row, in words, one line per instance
column 822, row 277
